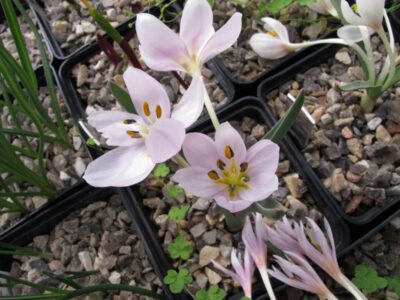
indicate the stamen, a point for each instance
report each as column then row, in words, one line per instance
column 244, row 166
column 213, row 175
column 272, row 33
column 220, row 164
column 246, row 179
column 354, row 7
column 128, row 121
column 158, row 111
column 146, row 109
column 228, row 152
column 133, row 134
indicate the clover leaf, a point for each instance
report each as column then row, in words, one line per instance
column 178, row 213
column 174, row 191
column 180, row 248
column 161, row 170
column 395, row 284
column 368, row 280
column 178, row 281
column 213, row 293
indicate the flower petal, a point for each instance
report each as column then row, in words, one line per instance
column 195, row 181
column 118, row 135
column 122, row 166
column 200, row 151
column 371, row 11
column 225, row 136
column 160, row 47
column 196, row 25
column 349, row 15
column 234, row 205
column 263, row 157
column 102, row 119
column 352, row 34
column 165, row 139
column 191, row 104
column 260, row 187
column 145, row 89
column 223, row 38
column 274, row 25
column 269, row 47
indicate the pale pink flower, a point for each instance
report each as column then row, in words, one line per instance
column 225, row 171
column 243, row 273
column 164, row 50
column 298, row 273
column 152, row 136
column 368, row 13
column 284, row 236
column 319, row 248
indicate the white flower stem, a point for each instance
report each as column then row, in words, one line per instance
column 267, row 283
column 369, row 63
column 392, row 59
column 180, row 160
column 386, row 66
column 368, row 48
column 348, row 285
column 210, row 108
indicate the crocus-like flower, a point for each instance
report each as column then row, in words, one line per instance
column 283, row 236
column 368, row 12
column 324, row 7
column 298, row 273
column 152, row 136
column 243, row 273
column 275, row 43
column 164, row 50
column 225, row 171
column 255, row 244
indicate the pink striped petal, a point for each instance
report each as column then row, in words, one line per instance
column 102, row 119
column 260, row 187
column 233, row 206
column 263, row 157
column 200, row 151
column 225, row 136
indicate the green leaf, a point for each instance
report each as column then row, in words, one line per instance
column 357, row 85
column 162, row 170
column 245, row 298
column 279, row 130
column 276, row 6
column 174, row 191
column 396, row 77
column 270, row 208
column 306, row 2
column 368, row 280
column 90, row 142
column 122, row 97
column 178, row 213
column 395, row 284
column 213, row 293
column 178, row 281
column 262, row 6
column 180, row 248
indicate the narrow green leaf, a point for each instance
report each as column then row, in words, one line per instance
column 276, row 6
column 396, row 77
column 122, row 97
column 279, row 130
column 357, row 85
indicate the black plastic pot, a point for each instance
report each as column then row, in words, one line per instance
column 250, row 107
column 300, row 133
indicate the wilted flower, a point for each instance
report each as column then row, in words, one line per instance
column 225, row 171
column 324, row 7
column 283, row 236
column 152, row 136
column 164, row 50
column 366, row 12
column 243, row 273
column 255, row 244
column 298, row 273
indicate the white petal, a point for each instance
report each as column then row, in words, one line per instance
column 371, row 11
column 122, row 166
column 276, row 26
column 102, row 119
column 352, row 34
column 349, row 15
column 268, row 47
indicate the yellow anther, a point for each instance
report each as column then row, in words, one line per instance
column 220, row 164
column 354, row 7
column 244, row 166
column 146, row 109
column 128, row 121
column 228, row 152
column 158, row 111
column 272, row 33
column 213, row 175
column 133, row 134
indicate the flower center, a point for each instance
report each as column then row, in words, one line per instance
column 272, row 33
column 192, row 65
column 231, row 176
column 144, row 128
column 354, row 7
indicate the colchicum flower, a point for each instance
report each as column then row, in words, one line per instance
column 298, row 273
column 164, row 50
column 143, row 140
column 255, row 244
column 283, row 236
column 243, row 273
column 225, row 171
column 366, row 12
column 324, row 7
